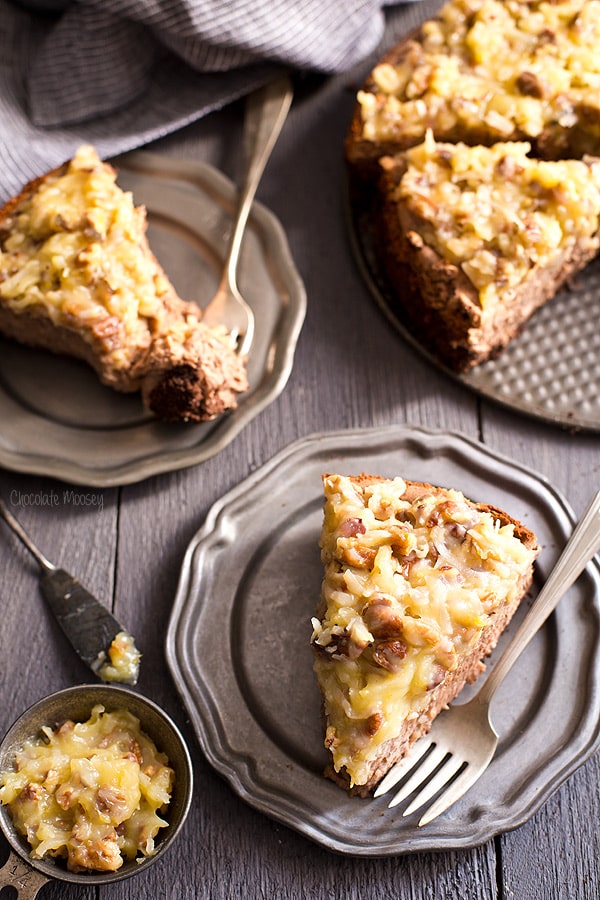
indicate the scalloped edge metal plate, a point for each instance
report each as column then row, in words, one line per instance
column 550, row 371
column 59, row 420
column 238, row 646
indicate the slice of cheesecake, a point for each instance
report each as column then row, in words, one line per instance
column 77, row 277
column 419, row 584
column 473, row 240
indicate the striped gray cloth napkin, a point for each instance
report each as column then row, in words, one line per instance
column 120, row 73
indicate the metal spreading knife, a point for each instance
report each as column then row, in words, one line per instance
column 96, row 636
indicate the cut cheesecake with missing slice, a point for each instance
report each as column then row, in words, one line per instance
column 419, row 584
column 473, row 240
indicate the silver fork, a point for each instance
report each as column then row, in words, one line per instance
column 463, row 739
column 266, row 111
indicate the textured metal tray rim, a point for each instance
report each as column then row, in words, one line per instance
column 275, row 375
column 213, row 743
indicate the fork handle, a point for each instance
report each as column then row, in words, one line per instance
column 266, row 111
column 579, row 550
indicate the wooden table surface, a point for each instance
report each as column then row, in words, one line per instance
column 351, row 370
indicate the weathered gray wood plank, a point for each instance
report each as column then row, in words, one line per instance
column 351, row 370
column 556, row 853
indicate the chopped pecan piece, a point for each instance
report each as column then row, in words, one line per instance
column 63, row 796
column 359, row 557
column 112, row 802
column 65, row 728
column 87, row 851
column 529, row 84
column 32, row 791
column 389, row 654
column 352, row 527
column 331, row 738
column 508, row 167
column 107, row 328
column 457, row 531
column 383, row 621
column 134, row 747
column 342, row 644
column 403, row 540
column 374, row 723
column 451, row 512
column 546, row 36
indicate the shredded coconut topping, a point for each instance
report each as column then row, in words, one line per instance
column 89, row 792
column 409, row 586
column 490, row 70
column 497, row 214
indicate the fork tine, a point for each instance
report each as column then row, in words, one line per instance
column 440, row 780
column 429, row 764
column 454, row 792
column 401, row 768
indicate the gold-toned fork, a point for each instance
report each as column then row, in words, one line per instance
column 462, row 741
column 266, row 111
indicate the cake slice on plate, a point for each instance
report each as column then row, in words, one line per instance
column 473, row 240
column 419, row 584
column 77, row 277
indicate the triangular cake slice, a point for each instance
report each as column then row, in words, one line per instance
column 474, row 239
column 77, row 277
column 419, row 584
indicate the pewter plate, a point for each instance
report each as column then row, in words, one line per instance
column 238, row 646
column 58, row 420
column 551, row 371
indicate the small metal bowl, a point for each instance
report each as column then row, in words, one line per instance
column 28, row 875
